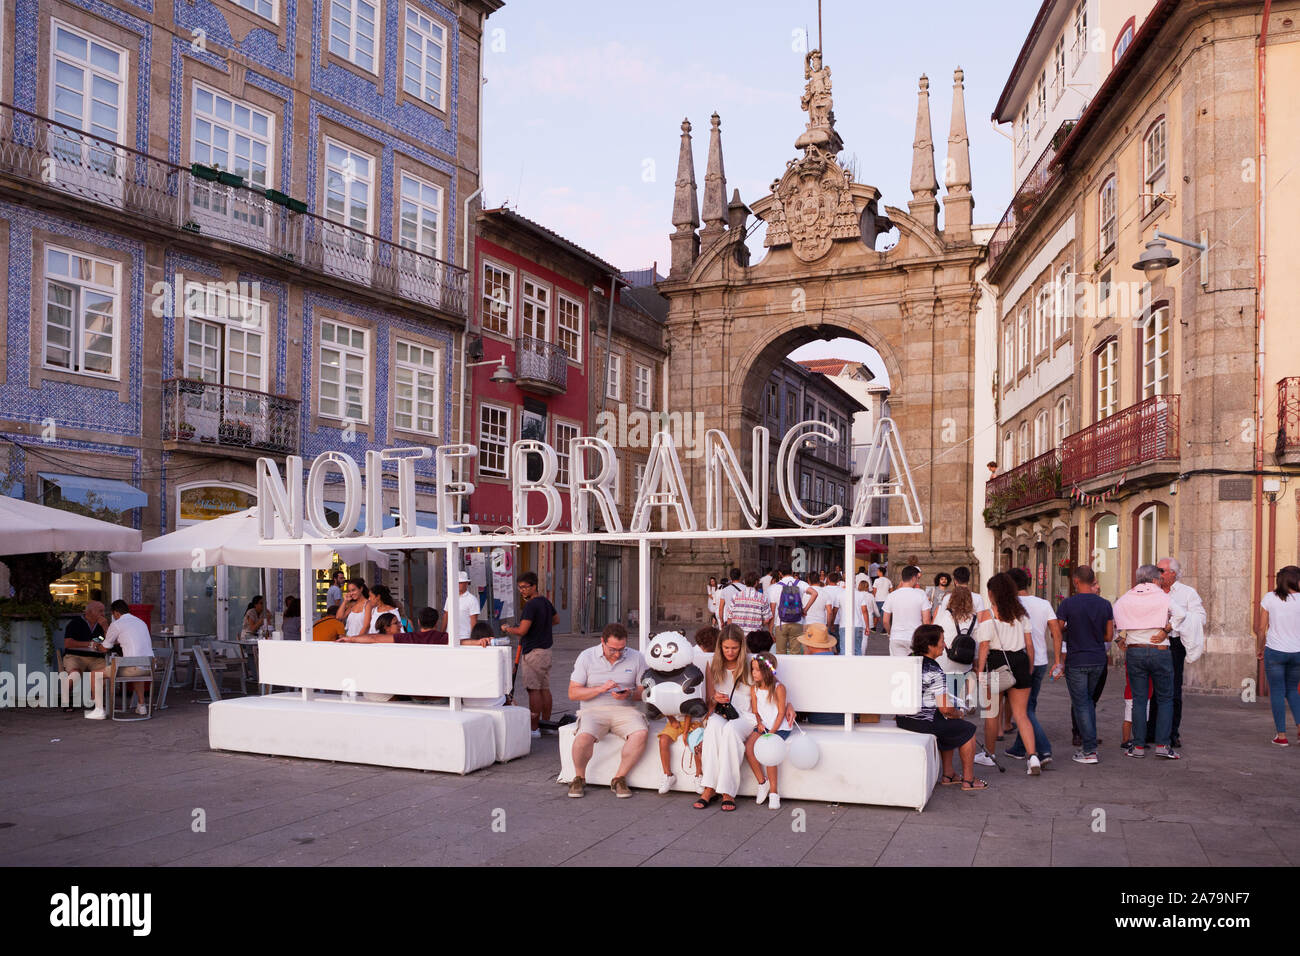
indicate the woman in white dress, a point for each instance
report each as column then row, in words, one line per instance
column 726, row 688
column 383, row 604
column 713, row 601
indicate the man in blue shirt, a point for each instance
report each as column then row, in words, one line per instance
column 1089, row 625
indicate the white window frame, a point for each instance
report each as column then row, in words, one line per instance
column 538, row 301
column 426, row 34
column 1080, row 45
column 421, row 205
column 564, row 329
column 1008, row 355
column 1125, row 41
column 78, row 329
column 1042, row 320
column 1022, row 340
column 418, row 370
column 225, row 208
column 1062, row 303
column 565, row 432
column 1147, row 544
column 1062, row 420
column 490, row 303
column 1157, row 347
column 1022, row 444
column 1106, row 217
column 1058, row 70
column 642, row 397
column 251, row 7
column 350, row 46
column 89, row 68
column 1008, row 451
column 1155, row 176
column 1042, row 432
column 347, row 177
column 613, row 376
column 503, row 440
column 1107, row 398
column 213, row 304
column 349, row 349
column 638, row 476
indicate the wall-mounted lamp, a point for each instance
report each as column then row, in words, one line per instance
column 1156, row 257
column 501, row 375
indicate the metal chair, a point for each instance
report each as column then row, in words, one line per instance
column 120, row 693
column 222, row 662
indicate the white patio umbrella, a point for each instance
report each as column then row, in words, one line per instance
column 29, row 528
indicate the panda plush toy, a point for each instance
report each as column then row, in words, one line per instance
column 674, row 686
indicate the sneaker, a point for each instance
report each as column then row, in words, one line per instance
column 578, row 788
column 620, row 787
column 1169, row 753
column 774, row 802
column 764, row 789
column 1280, row 739
column 1085, row 757
column 142, row 710
column 97, row 714
column 985, row 759
column 667, row 783
column 1124, row 745
column 1035, row 766
column 1136, row 751
column 1046, row 759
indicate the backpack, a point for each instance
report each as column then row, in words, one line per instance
column 962, row 650
column 790, row 607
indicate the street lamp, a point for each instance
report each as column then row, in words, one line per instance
column 1156, row 257
column 501, row 375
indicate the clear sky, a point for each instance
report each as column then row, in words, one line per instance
column 584, row 101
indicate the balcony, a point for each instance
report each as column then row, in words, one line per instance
column 541, row 366
column 1288, row 421
column 1033, row 483
column 208, row 418
column 134, row 187
column 1033, row 189
column 1141, row 439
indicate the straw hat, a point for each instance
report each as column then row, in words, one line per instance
column 816, row 635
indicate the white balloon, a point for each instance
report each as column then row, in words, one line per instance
column 804, row 752
column 770, row 750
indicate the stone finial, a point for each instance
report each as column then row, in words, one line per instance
column 958, row 204
column 924, row 185
column 686, row 217
column 715, row 187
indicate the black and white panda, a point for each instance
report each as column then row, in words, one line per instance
column 674, row 686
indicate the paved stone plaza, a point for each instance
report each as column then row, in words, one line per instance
column 1233, row 800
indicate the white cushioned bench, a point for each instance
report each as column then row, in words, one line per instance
column 347, row 727
column 871, row 763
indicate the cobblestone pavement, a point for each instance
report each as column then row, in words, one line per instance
column 1233, row 800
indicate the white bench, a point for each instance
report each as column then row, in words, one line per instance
column 347, row 727
column 869, row 763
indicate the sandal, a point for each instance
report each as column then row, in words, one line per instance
column 969, row 786
column 704, row 802
column 728, row 805
column 948, row 779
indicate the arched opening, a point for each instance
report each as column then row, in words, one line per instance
column 1060, row 571
column 1105, row 555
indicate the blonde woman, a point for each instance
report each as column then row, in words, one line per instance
column 730, row 720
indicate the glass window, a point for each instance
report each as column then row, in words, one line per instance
column 497, row 303
column 614, row 377
column 263, row 8
column 1042, row 432
column 343, row 359
column 1063, row 302
column 535, row 310
column 1106, row 216
column 420, row 213
column 1008, row 452
column 1008, row 355
column 81, row 308
column 1155, row 166
column 493, row 439
column 87, row 91
column 423, row 58
column 1023, row 450
column 1125, row 40
column 415, row 387
column 224, row 337
column 773, row 408
column 1107, row 384
column 1079, row 46
column 564, row 433
column 1022, row 340
column 1042, row 320
column 568, row 326
column 1155, row 354
column 234, row 136
column 1062, row 420
column 352, row 31
column 348, row 178
column 643, row 387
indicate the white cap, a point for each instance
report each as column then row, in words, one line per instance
column 464, row 577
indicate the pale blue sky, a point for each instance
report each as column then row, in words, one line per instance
column 584, row 100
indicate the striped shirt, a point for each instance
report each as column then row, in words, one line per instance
column 933, row 686
column 748, row 611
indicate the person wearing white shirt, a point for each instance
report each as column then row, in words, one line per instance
column 880, row 587
column 1041, row 619
column 906, row 608
column 132, row 635
column 1277, row 644
column 786, row 634
column 728, row 593
column 765, row 582
column 1187, row 624
column 467, row 608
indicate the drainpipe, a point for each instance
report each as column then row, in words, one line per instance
column 464, row 237
column 1260, row 262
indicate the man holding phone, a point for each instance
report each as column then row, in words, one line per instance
column 606, row 681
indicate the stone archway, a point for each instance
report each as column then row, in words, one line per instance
column 731, row 322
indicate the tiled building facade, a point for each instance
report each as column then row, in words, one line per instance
column 222, row 241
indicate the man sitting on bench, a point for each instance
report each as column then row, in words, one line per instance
column 607, row 681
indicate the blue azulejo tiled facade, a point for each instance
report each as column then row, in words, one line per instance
column 197, row 396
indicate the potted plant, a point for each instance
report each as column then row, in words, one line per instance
column 185, row 431
column 191, row 225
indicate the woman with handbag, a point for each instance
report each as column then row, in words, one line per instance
column 1006, row 655
column 730, row 721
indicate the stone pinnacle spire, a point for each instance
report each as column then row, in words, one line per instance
column 924, row 185
column 958, row 204
column 715, row 188
column 686, row 217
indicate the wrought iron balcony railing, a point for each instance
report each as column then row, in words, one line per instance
column 55, row 156
column 1036, row 185
column 1034, row 482
column 227, row 417
column 1288, row 421
column 1140, row 434
column 540, row 365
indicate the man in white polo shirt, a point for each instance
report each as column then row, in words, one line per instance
column 880, row 587
column 467, row 608
column 132, row 635
column 606, row 681
column 906, row 608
